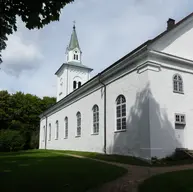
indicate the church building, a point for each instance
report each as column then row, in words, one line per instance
column 141, row 105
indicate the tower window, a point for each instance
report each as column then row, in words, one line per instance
column 79, row 84
column 74, row 84
column 76, row 56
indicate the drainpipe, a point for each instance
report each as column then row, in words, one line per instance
column 46, row 132
column 105, row 107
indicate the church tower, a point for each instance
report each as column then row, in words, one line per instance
column 72, row 74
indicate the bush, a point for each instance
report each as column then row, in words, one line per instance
column 34, row 143
column 11, row 140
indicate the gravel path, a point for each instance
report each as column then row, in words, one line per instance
column 135, row 175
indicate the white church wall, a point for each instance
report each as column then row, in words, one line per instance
column 76, row 73
column 135, row 139
column 59, row 91
column 164, row 103
column 87, row 141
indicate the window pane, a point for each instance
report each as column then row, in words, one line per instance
column 97, row 116
column 118, row 111
column 175, row 86
column 118, row 124
column 124, row 123
column 123, row 110
column 97, row 127
column 177, row 118
column 182, row 119
column 123, row 99
column 180, row 87
column 118, row 100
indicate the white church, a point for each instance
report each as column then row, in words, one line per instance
column 141, row 105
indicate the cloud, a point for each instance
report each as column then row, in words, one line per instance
column 20, row 56
column 107, row 30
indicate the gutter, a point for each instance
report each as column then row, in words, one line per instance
column 105, row 107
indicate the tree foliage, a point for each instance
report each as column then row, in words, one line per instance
column 20, row 112
column 35, row 14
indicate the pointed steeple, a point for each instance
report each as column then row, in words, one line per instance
column 74, row 40
column 73, row 52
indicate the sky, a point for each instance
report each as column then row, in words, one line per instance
column 107, row 30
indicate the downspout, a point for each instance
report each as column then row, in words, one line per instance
column 46, row 132
column 105, row 107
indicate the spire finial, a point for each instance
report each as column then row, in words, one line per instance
column 74, row 22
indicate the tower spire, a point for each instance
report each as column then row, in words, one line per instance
column 74, row 39
column 73, row 51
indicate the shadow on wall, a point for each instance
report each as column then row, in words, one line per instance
column 149, row 132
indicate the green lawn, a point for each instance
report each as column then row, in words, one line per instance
column 112, row 158
column 170, row 161
column 38, row 170
column 180, row 181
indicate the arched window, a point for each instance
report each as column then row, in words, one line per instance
column 178, row 84
column 74, row 85
column 49, row 138
column 79, row 84
column 121, row 112
column 95, row 119
column 57, row 129
column 78, row 116
column 66, row 127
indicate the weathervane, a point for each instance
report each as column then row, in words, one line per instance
column 74, row 24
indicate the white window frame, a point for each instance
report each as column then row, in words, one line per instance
column 178, row 86
column 57, row 130
column 78, row 130
column 121, row 113
column 50, row 130
column 66, row 128
column 95, row 120
column 178, row 119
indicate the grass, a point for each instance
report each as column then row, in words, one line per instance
column 112, row 158
column 38, row 170
column 175, row 159
column 169, row 182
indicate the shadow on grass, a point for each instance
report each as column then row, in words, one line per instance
column 169, row 161
column 46, row 171
column 177, row 181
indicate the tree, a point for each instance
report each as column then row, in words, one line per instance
column 19, row 116
column 35, row 14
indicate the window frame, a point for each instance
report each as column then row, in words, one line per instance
column 180, row 122
column 121, row 114
column 66, row 127
column 178, row 84
column 57, row 130
column 95, row 129
column 78, row 125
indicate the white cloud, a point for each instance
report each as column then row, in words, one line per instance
column 107, row 30
column 20, row 56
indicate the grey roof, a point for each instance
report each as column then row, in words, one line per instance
column 75, row 64
column 73, row 40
